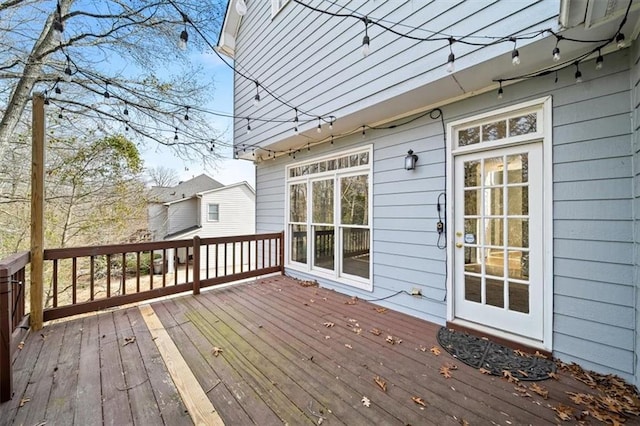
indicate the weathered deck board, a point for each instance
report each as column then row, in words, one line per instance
column 88, row 393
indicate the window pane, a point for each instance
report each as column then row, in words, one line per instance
column 355, row 252
column 518, row 230
column 298, row 202
column 213, row 212
column 324, row 247
column 519, row 264
column 494, row 131
column 518, row 200
column 354, row 199
column 493, row 232
column 518, row 168
column 299, row 243
column 469, row 136
column 471, row 173
column 364, row 158
column 495, row 292
column 493, row 171
column 493, row 201
column 323, row 201
column 519, row 297
column 472, row 202
column 523, row 124
column 472, row 288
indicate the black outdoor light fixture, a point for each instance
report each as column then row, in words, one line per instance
column 410, row 160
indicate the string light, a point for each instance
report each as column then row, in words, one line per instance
column 599, row 60
column 57, row 88
column 46, row 98
column 60, row 112
column 364, row 133
column 241, row 7
column 331, row 139
column 126, row 111
column 556, row 80
column 578, row 74
column 175, row 137
column 248, row 126
column 106, row 90
column 126, row 125
column 319, row 129
column 256, row 98
column 295, row 122
column 451, row 67
column 186, row 114
column 365, row 40
column 556, row 50
column 620, row 40
column 500, row 91
column 58, row 26
column 66, row 75
column 331, row 124
column 515, row 55
column 184, row 35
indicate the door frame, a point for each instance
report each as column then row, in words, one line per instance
column 545, row 134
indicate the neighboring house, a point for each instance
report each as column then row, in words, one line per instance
column 535, row 191
column 201, row 206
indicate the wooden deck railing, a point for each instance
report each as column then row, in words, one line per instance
column 13, row 324
column 86, row 279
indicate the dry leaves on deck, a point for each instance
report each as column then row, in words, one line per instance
column 510, row 377
column 128, row 340
column 435, row 350
column 418, row 401
column 381, row 383
column 216, row 351
column 24, row 401
column 381, row 310
column 564, row 412
column 21, row 345
column 375, row 332
column 352, row 301
column 393, row 340
column 366, row 401
column 446, row 369
column 540, row 390
column 328, row 324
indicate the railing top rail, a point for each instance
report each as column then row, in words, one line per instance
column 69, row 252
column 239, row 238
column 13, row 263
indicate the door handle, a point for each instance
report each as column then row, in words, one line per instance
column 459, row 245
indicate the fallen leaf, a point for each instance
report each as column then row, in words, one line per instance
column 463, row 422
column 311, row 301
column 346, row 345
column 554, row 376
column 328, row 324
column 445, row 371
column 451, row 366
column 423, row 348
column 327, row 337
column 523, row 373
column 24, row 401
column 393, row 340
column 565, row 413
column 375, row 332
column 381, row 310
column 351, row 320
column 540, row 390
column 510, row 378
column 21, row 345
column 353, row 301
column 128, row 340
column 484, row 371
column 522, row 390
column 435, row 350
column 520, row 353
column 381, row 383
column 216, row 351
column 418, row 401
column 539, row 355
column 366, row 401
column 356, row 330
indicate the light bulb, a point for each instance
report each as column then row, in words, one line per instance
column 556, row 53
column 182, row 42
column 500, row 92
column 241, row 7
column 620, row 40
column 515, row 57
column 319, row 129
column 578, row 76
column 599, row 62
column 366, row 49
column 331, row 125
column 256, row 100
column 248, row 129
column 451, row 63
column 66, row 75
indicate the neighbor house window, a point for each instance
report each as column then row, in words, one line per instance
column 213, row 212
column 328, row 215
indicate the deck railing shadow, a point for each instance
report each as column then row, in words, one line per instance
column 86, row 279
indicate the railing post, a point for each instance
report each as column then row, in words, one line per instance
column 37, row 211
column 6, row 330
column 282, row 252
column 196, row 264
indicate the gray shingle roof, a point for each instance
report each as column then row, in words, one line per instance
column 186, row 189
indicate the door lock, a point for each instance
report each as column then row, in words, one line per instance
column 459, row 245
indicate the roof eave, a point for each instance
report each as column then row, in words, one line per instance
column 229, row 31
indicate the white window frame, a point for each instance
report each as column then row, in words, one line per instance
column 544, row 132
column 335, row 274
column 209, row 212
column 277, row 6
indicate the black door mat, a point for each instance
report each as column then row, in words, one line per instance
column 482, row 353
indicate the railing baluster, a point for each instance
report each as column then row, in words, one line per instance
column 55, row 283
column 225, row 259
column 151, row 270
column 207, row 260
column 92, row 277
column 74, row 280
column 138, row 271
column 164, row 267
column 215, row 249
column 108, row 275
column 241, row 256
column 124, row 273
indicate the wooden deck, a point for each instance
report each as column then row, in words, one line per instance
column 279, row 361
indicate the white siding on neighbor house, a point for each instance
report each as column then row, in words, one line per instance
column 236, row 212
column 182, row 215
column 594, row 285
column 315, row 61
column 635, row 121
column 157, row 219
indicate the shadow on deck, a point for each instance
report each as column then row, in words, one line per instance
column 286, row 353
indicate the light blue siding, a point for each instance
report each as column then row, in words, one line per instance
column 634, row 82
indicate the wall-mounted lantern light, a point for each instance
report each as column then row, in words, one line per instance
column 410, row 160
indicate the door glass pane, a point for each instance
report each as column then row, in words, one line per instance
column 299, row 243
column 469, row 136
column 519, row 297
column 518, row 200
column 518, row 232
column 494, row 131
column 493, row 171
column 494, row 262
column 519, row 264
column 322, row 205
column 518, row 168
column 494, row 232
column 472, row 260
column 355, row 252
column 495, row 292
column 354, row 200
column 472, row 288
column 471, row 231
column 471, row 173
column 472, row 202
column 493, row 201
column 298, row 203
column 524, row 124
column 324, row 247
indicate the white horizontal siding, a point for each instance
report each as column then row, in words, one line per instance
column 236, row 211
column 634, row 82
column 182, row 215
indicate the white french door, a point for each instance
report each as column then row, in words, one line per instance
column 498, row 239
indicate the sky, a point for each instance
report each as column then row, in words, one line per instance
column 228, row 170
